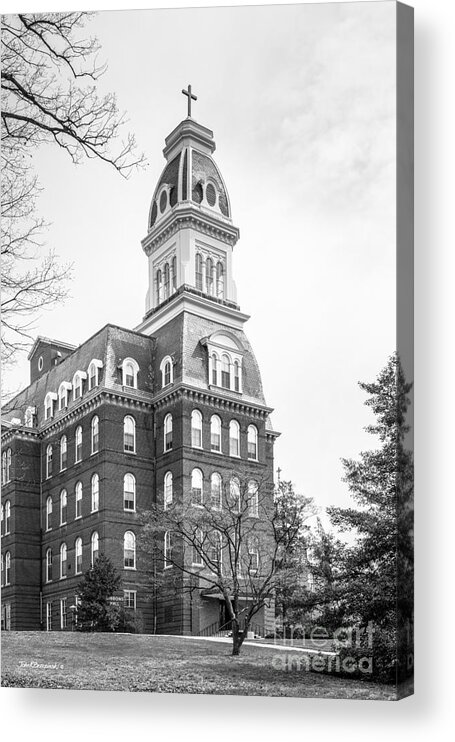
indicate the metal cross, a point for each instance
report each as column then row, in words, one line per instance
column 190, row 97
column 279, row 473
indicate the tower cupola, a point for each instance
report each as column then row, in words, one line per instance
column 190, row 233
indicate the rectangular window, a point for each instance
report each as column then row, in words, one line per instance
column 6, row 623
column 196, row 437
column 215, row 439
column 234, row 447
column 252, row 450
column 129, row 599
column 63, row 613
column 48, row 616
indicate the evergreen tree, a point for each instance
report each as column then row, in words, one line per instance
column 377, row 576
column 95, row 611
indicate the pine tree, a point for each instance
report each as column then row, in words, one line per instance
column 378, row 585
column 95, row 611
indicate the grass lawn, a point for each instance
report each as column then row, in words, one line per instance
column 165, row 664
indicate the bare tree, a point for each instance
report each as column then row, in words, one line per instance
column 235, row 542
column 49, row 95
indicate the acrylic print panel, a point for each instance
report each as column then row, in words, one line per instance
column 207, row 442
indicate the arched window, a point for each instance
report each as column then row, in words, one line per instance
column 95, row 427
column 92, row 375
column 215, row 433
column 95, row 493
column 253, row 554
column 234, row 495
column 168, row 432
column 7, row 568
column 168, row 493
column 77, row 385
column 252, row 498
column 48, row 461
column 209, row 275
column 129, row 550
column 49, row 513
column 199, row 285
column 197, row 494
column 7, row 517
column 198, row 542
column 78, row 556
column 78, row 444
column 129, row 434
column 174, row 273
column 63, row 561
column 234, row 438
column 63, row 395
column 49, row 565
column 252, row 442
column 168, row 549
column 63, row 453
column 63, row 507
column 94, row 548
column 167, row 282
column 130, row 371
column 4, row 467
column 78, row 500
column 129, row 492
column 196, row 429
column 225, row 371
column 29, row 417
column 159, row 287
column 219, row 280
column 167, row 371
column 49, row 405
column 215, row 491
column 8, row 464
column 214, row 358
column 2, row 516
column 236, row 376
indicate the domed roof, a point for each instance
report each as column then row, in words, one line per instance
column 191, row 175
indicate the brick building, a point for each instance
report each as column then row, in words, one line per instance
column 131, row 417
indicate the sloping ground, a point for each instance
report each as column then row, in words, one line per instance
column 166, row 664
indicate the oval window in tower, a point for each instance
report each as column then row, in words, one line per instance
column 210, row 194
column 163, row 201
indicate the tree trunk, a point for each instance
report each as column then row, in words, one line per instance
column 237, row 638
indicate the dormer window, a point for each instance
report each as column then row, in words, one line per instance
column 225, row 355
column 130, row 371
column 63, row 392
column 49, row 405
column 93, row 373
column 225, row 371
column 29, row 417
column 167, row 371
column 78, row 380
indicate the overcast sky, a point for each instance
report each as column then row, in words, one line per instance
column 301, row 100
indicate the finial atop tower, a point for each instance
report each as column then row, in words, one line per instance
column 190, row 97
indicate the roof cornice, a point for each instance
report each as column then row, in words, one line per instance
column 190, row 216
